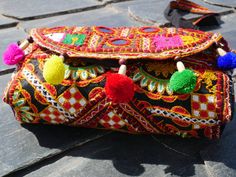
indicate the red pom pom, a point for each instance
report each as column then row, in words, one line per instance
column 119, row 88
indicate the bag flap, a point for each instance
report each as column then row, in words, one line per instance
column 124, row 42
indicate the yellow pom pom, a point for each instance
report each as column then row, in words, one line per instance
column 54, row 70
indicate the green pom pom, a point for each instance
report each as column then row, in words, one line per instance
column 183, row 82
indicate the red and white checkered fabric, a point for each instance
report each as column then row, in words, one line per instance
column 52, row 115
column 112, row 120
column 72, row 100
column 203, row 106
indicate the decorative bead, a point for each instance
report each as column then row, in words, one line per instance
column 30, row 39
column 65, row 55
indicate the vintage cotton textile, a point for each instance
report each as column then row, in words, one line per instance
column 151, row 54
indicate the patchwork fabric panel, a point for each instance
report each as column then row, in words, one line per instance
column 72, row 100
column 203, row 106
column 124, row 42
column 80, row 100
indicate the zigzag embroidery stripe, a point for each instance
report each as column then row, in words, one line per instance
column 99, row 107
column 146, row 43
column 227, row 97
column 34, row 81
column 172, row 115
column 141, row 119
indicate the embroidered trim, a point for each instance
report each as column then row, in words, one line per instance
column 162, row 112
column 35, row 82
column 227, row 107
column 91, row 114
column 208, row 78
column 163, row 42
column 140, row 118
column 74, row 39
column 152, row 83
column 23, row 111
column 92, row 47
column 83, row 73
column 166, row 68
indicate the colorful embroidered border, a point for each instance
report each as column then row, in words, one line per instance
column 137, row 52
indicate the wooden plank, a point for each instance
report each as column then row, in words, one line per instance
column 23, row 146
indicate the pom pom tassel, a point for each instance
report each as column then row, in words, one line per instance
column 183, row 81
column 54, row 70
column 226, row 60
column 14, row 53
column 119, row 88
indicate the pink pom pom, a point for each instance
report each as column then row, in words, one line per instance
column 13, row 54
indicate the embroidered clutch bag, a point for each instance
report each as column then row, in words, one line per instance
column 130, row 79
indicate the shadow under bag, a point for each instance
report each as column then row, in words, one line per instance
column 131, row 79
